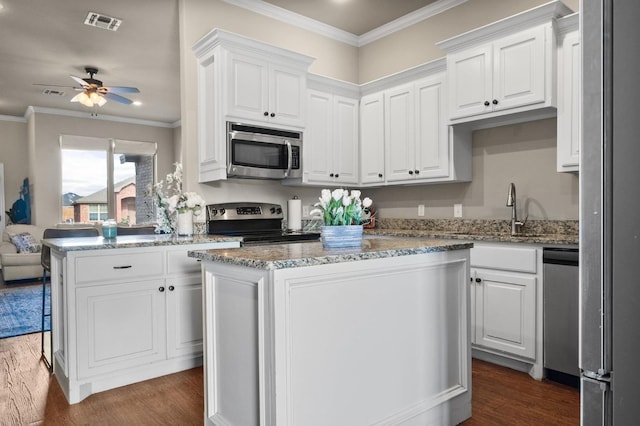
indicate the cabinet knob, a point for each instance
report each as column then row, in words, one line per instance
column 417, row 172
column 478, row 280
column 486, row 103
column 410, row 172
column 337, row 175
column 331, row 174
column 379, row 175
column 471, row 279
column 495, row 102
column 161, row 289
column 171, row 288
column 273, row 114
column 266, row 113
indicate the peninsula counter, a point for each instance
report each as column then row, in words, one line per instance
column 126, row 309
column 298, row 335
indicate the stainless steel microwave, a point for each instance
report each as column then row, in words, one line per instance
column 263, row 153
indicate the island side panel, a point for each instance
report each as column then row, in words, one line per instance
column 382, row 341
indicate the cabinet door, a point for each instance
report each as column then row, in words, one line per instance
column 470, row 82
column 432, row 142
column 248, row 87
column 570, row 75
column 286, row 96
column 317, row 152
column 505, row 312
column 399, row 133
column 120, row 326
column 372, row 139
column 184, row 315
column 519, row 69
column 345, row 140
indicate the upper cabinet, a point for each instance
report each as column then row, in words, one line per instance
column 569, row 99
column 245, row 80
column 330, row 145
column 504, row 68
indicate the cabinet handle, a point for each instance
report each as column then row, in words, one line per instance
column 410, row 172
column 417, row 172
column 161, row 289
column 471, row 279
column 495, row 102
column 266, row 113
column 478, row 280
column 122, row 267
column 486, row 103
column 273, row 114
column 171, row 288
column 379, row 175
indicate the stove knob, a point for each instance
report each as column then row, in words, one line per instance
column 214, row 212
column 279, row 210
column 272, row 210
column 222, row 212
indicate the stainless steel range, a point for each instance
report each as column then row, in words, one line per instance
column 256, row 223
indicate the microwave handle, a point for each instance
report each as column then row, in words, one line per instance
column 289, row 155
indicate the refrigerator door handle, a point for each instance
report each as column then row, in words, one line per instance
column 600, row 376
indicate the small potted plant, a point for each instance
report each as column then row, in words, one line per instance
column 342, row 214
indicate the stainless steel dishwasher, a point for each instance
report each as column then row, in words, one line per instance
column 560, row 306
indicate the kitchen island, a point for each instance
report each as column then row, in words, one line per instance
column 298, row 335
column 125, row 309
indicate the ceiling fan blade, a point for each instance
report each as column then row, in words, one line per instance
column 80, row 81
column 117, row 98
column 121, row 89
column 53, row 85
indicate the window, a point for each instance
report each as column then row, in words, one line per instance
column 106, row 178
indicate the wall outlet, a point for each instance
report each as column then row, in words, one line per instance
column 457, row 210
column 420, row 209
column 305, row 211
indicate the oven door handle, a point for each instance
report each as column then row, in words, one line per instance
column 289, row 158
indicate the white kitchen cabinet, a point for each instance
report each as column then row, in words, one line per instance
column 244, row 80
column 260, row 90
column 416, row 138
column 504, row 68
column 330, row 150
column 506, row 288
column 122, row 315
column 372, row 156
column 569, row 95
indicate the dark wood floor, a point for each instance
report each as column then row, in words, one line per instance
column 29, row 396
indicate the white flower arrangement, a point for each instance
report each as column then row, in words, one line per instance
column 339, row 207
column 170, row 200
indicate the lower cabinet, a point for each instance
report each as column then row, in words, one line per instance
column 506, row 306
column 123, row 315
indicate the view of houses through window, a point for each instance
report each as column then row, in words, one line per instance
column 103, row 179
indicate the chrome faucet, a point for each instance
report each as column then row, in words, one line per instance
column 516, row 225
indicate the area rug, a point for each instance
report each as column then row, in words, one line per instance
column 21, row 310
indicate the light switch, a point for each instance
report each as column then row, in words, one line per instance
column 457, row 210
column 420, row 209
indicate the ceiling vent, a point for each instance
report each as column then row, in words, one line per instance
column 52, row 92
column 102, row 21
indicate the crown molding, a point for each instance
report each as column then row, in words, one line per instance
column 283, row 15
column 67, row 113
column 13, row 118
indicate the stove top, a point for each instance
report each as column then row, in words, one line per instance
column 256, row 223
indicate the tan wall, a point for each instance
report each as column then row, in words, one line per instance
column 14, row 155
column 45, row 167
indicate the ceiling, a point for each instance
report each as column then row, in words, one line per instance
column 49, row 42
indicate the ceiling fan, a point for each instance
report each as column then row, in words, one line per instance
column 94, row 93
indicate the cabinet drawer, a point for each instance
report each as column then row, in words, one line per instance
column 178, row 262
column 521, row 259
column 119, row 266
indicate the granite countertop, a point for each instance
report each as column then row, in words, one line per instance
column 130, row 241
column 296, row 255
column 531, row 238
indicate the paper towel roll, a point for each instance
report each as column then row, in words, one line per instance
column 294, row 214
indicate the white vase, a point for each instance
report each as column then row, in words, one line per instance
column 184, row 223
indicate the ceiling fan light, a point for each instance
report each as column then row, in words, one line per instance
column 84, row 99
column 102, row 101
column 95, row 98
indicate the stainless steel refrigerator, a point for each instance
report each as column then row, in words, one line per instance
column 610, row 213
